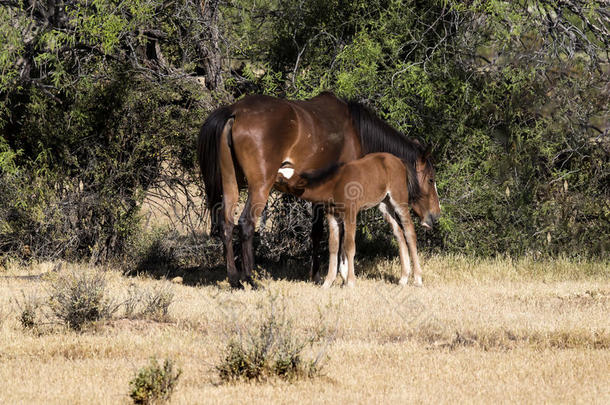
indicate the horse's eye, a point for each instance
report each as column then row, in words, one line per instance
column 431, row 181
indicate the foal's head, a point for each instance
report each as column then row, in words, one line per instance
column 426, row 206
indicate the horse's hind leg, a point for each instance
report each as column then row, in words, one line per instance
column 229, row 205
column 229, row 202
column 333, row 250
column 257, row 199
column 388, row 214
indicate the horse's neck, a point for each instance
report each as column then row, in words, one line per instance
column 320, row 193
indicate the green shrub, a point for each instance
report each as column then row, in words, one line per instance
column 77, row 299
column 28, row 311
column 154, row 383
column 269, row 348
column 150, row 303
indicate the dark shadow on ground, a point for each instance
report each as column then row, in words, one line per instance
column 164, row 259
column 291, row 269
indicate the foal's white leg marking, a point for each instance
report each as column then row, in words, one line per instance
column 333, row 249
column 343, row 268
column 286, row 172
column 405, row 264
column 411, row 239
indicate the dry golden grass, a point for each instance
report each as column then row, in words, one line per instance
column 479, row 331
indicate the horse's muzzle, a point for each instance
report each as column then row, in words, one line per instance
column 430, row 221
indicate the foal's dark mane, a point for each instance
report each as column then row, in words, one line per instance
column 377, row 136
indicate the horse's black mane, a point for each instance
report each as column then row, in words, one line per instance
column 377, row 136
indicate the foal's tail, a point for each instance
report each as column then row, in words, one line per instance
column 208, row 153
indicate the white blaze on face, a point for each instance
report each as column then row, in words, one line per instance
column 439, row 200
column 286, row 172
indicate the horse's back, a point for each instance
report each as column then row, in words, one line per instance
column 372, row 177
column 309, row 134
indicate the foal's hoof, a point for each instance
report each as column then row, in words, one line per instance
column 350, row 284
column 327, row 285
column 417, row 281
column 403, row 280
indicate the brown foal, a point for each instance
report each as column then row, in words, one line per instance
column 376, row 179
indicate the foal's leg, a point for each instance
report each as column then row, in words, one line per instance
column 333, row 250
column 257, row 198
column 349, row 245
column 409, row 230
column 405, row 264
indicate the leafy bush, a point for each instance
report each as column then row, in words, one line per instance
column 150, row 303
column 515, row 109
column 512, row 98
column 155, row 253
column 28, row 311
column 77, row 299
column 268, row 348
column 154, row 383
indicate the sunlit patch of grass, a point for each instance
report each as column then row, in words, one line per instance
column 535, row 337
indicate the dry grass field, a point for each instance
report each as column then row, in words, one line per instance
column 479, row 331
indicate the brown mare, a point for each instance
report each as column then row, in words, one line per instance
column 246, row 143
column 376, row 179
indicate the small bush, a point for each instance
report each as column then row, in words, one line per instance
column 154, row 253
column 149, row 303
column 270, row 348
column 157, row 302
column 154, row 384
column 78, row 299
column 28, row 309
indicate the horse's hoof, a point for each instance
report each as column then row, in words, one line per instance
column 403, row 280
column 417, row 281
column 327, row 285
column 350, row 284
column 236, row 284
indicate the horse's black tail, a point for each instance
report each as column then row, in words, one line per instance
column 209, row 163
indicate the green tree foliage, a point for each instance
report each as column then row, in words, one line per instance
column 512, row 95
column 99, row 98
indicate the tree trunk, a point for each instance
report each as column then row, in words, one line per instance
column 209, row 47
